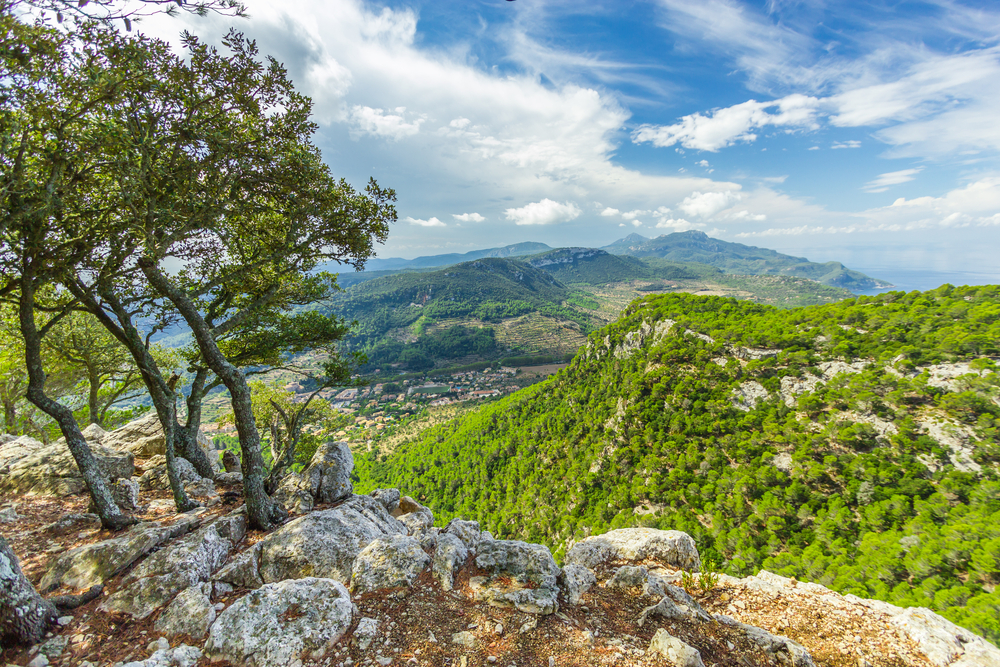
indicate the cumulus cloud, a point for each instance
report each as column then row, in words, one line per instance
column 632, row 215
column 432, row 222
column 845, row 144
column 544, row 212
column 702, row 163
column 468, row 217
column 637, row 223
column 747, row 215
column 677, row 224
column 884, row 181
column 707, row 204
column 725, row 127
column 610, row 212
column 379, row 123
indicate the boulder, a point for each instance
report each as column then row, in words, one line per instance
column 72, row 522
column 9, row 515
column 28, row 467
column 388, row 562
column 185, row 563
column 229, row 478
column 417, row 518
column 191, row 613
column 670, row 548
column 673, row 649
column 157, row 478
column 94, row 433
column 142, row 437
column 388, row 497
column 280, row 623
column 243, row 571
column 180, row 656
column 93, row 564
column 943, row 642
column 467, row 531
column 675, row 605
column 365, row 633
column 125, row 493
column 325, row 543
column 295, row 493
column 577, row 580
column 231, row 462
column 519, row 574
column 450, row 554
column 781, row 650
column 202, row 490
column 329, row 472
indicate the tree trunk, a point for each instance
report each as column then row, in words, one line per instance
column 111, row 515
column 187, row 434
column 24, row 615
column 10, row 417
column 263, row 512
column 93, row 402
column 163, row 397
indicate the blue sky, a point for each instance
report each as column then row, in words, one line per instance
column 861, row 131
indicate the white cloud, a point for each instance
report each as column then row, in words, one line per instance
column 813, row 148
column 379, row 123
column 544, row 212
column 747, row 215
column 637, row 223
column 725, row 127
column 707, row 204
column 632, row 215
column 610, row 212
column 468, row 217
column 677, row 224
column 702, row 163
column 432, row 222
column 853, row 143
column 882, row 183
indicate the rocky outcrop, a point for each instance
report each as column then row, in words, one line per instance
column 279, row 624
column 320, row 544
column 327, row 479
column 186, row 563
column 144, row 437
column 577, row 580
column 156, row 478
column 27, row 467
column 673, row 649
column 414, row 516
column 450, row 553
column 518, row 574
column 93, row 564
column 388, row 562
column 191, row 613
column 748, row 395
column 636, row 545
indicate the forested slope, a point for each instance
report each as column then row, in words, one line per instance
column 853, row 444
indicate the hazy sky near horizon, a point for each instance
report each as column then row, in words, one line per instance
column 827, row 126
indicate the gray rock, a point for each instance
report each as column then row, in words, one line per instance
column 673, row 649
column 943, row 642
column 781, row 649
column 629, row 576
column 464, row 638
column 637, row 545
column 329, row 472
column 417, row 522
column 230, row 462
column 229, row 478
column 144, row 437
column 181, row 656
column 185, row 563
column 190, row 613
column 243, row 571
column 449, row 555
column 94, row 433
column 675, row 605
column 8, row 515
column 428, row 541
column 388, row 562
column 156, row 479
column 577, row 580
column 125, row 493
column 280, row 623
column 518, row 574
column 295, row 493
column 202, row 490
column 27, row 467
column 325, row 543
column 7, row 437
column 388, row 497
column 93, row 564
column 467, row 531
column 365, row 633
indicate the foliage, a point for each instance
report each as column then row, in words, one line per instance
column 653, row 437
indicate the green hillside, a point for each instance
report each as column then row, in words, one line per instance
column 853, row 444
column 693, row 246
column 594, row 267
column 418, row 319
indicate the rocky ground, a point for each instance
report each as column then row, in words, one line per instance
column 370, row 581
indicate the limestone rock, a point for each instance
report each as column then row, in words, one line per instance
column 388, row 562
column 190, row 613
column 628, row 576
column 125, row 493
column 277, row 623
column 229, row 478
column 30, row 468
column 9, row 515
column 782, row 649
column 388, row 497
column 142, row 437
column 467, row 531
column 943, row 642
column 157, row 479
column 414, row 516
column 243, row 571
column 577, row 580
column 329, row 472
column 24, row 616
column 637, row 545
column 93, row 564
column 531, row 571
column 202, row 490
column 325, row 543
column 449, row 554
column 94, row 433
column 673, row 649
column 167, row 572
column 230, row 462
column 180, row 656
column 72, row 522
column 675, row 605
column 365, row 633
column 295, row 493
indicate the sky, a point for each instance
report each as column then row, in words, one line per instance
column 864, row 132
